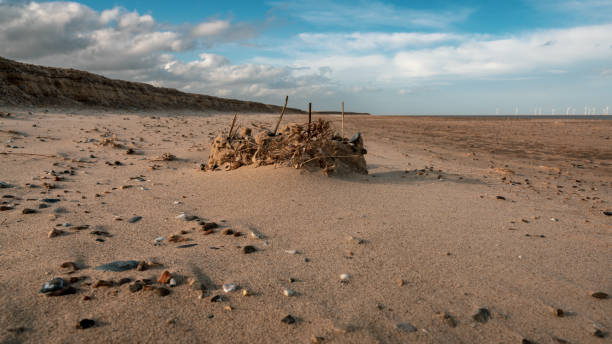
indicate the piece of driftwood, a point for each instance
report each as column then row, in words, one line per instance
column 281, row 115
column 233, row 123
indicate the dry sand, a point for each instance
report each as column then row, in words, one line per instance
column 427, row 215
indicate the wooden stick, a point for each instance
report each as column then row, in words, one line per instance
column 281, row 116
column 309, row 117
column 343, row 120
column 232, row 127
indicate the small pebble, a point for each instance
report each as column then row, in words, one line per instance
column 162, row 291
column 28, row 211
column 599, row 333
column 136, row 286
column 345, row 278
column 229, row 287
column 288, row 320
column 85, row 323
column 135, row 219
column 55, row 232
column 406, row 327
column 53, row 285
column 118, row 266
column 248, row 249
column 599, row 295
column 482, row 315
column 164, row 277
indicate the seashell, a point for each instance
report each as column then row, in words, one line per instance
column 345, row 278
column 229, row 287
column 288, row 292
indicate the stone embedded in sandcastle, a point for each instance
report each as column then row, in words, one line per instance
column 309, row 146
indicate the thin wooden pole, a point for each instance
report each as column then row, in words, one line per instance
column 343, row 119
column 309, row 117
column 229, row 136
column 281, row 116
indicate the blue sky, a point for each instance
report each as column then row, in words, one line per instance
column 384, row 57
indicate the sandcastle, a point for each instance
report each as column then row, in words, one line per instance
column 309, row 146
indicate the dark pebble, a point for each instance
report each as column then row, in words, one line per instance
column 599, row 333
column 187, row 245
column 28, row 211
column 85, row 323
column 136, row 286
column 288, row 320
column 50, row 200
column 217, row 298
column 501, row 198
column 53, row 285
column 125, row 280
column 248, row 249
column 162, row 291
column 209, row 225
column 608, row 212
column 43, row 206
column 482, row 315
column 118, row 266
column 135, row 219
column 600, row 295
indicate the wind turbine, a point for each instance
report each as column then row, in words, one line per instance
column 516, row 111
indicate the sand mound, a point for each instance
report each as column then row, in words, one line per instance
column 311, row 146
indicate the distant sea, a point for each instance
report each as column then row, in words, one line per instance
column 597, row 117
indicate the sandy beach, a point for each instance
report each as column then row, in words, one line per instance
column 465, row 230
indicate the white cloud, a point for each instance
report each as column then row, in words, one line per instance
column 211, row 28
column 363, row 41
column 362, row 13
column 550, row 49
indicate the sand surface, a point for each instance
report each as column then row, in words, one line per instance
column 427, row 215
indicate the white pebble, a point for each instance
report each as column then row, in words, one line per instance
column 288, row 292
column 554, row 219
column 291, row 251
column 229, row 287
column 159, row 240
column 345, row 277
column 172, row 282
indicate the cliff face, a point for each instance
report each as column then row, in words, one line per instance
column 31, row 85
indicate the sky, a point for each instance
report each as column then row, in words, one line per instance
column 432, row 57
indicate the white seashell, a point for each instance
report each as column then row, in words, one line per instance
column 172, row 282
column 159, row 240
column 181, row 216
column 554, row 219
column 255, row 235
column 229, row 287
column 291, row 251
column 288, row 292
column 345, row 277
